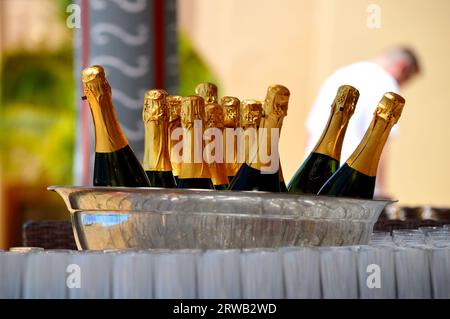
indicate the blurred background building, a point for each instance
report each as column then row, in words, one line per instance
column 243, row 45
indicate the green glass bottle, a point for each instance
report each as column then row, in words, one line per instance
column 214, row 125
column 115, row 162
column 356, row 178
column 256, row 175
column 156, row 161
column 324, row 159
column 231, row 113
column 195, row 171
column 174, row 106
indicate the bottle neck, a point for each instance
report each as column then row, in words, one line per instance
column 367, row 155
column 230, row 146
column 176, row 167
column 250, row 142
column 218, row 170
column 193, row 165
column 108, row 134
column 330, row 142
column 269, row 126
column 156, row 153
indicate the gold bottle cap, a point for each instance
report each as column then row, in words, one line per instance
column 93, row 73
column 208, row 92
column 346, row 99
column 277, row 100
column 95, row 82
column 155, row 108
column 192, row 109
column 390, row 107
column 251, row 113
column 174, row 106
column 214, row 116
column 230, row 105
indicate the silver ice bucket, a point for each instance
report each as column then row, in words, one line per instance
column 143, row 218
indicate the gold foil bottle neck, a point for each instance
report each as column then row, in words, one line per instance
column 367, row 155
column 208, row 91
column 155, row 107
column 214, row 119
column 214, row 116
column 109, row 136
column 231, row 110
column 390, row 107
column 342, row 108
column 275, row 108
column 276, row 102
column 174, row 106
column 251, row 113
column 154, row 114
column 193, row 165
column 192, row 109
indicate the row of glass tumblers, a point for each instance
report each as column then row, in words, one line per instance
column 390, row 267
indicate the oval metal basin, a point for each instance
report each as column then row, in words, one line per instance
column 143, row 218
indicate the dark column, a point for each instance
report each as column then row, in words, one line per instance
column 136, row 42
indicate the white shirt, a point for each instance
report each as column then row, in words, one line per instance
column 372, row 81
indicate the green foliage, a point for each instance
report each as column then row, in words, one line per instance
column 37, row 116
column 40, row 78
column 192, row 68
column 63, row 4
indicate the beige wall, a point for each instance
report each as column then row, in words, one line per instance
column 253, row 43
column 31, row 24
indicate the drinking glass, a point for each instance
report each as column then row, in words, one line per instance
column 262, row 274
column 219, row 275
column 338, row 273
column 302, row 273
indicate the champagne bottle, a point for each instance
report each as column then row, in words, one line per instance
column 208, row 92
column 194, row 171
column 115, row 162
column 156, row 152
column 231, row 110
column 251, row 114
column 256, row 175
column 214, row 120
column 356, row 178
column 174, row 106
column 324, row 159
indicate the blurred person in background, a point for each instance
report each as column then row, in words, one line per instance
column 388, row 72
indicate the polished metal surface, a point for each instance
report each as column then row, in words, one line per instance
column 141, row 218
